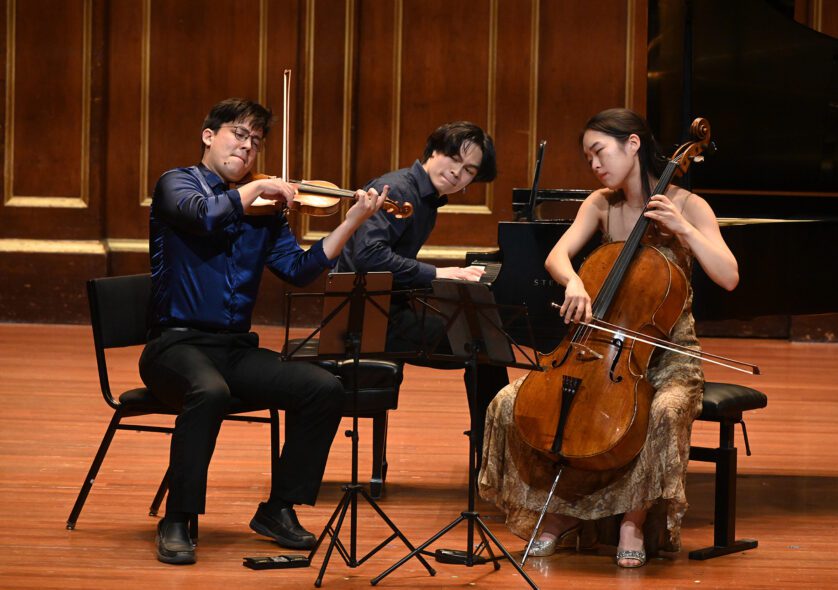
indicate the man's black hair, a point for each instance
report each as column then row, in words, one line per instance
column 232, row 110
column 449, row 139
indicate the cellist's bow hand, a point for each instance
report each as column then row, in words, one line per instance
column 577, row 303
column 663, row 211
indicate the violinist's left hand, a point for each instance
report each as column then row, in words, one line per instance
column 664, row 212
column 366, row 203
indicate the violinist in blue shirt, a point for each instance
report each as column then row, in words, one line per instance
column 207, row 257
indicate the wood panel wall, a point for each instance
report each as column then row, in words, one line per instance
column 102, row 96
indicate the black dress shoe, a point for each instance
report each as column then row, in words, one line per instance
column 282, row 526
column 173, row 543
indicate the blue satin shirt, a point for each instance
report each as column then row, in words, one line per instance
column 207, row 257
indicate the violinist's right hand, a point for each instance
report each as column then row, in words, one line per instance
column 469, row 273
column 577, row 302
column 271, row 189
column 276, row 189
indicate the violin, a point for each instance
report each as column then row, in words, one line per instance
column 589, row 405
column 318, row 198
column 314, row 197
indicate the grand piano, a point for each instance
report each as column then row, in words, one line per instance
column 769, row 87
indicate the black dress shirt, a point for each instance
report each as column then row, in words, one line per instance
column 384, row 243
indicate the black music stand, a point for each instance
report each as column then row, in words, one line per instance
column 477, row 336
column 354, row 323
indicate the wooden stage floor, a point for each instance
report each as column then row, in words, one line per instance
column 53, row 417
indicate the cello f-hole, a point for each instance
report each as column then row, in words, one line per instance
column 618, row 343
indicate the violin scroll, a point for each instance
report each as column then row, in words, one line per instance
column 399, row 211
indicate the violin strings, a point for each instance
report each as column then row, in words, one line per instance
column 323, row 190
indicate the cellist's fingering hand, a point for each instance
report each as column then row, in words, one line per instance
column 366, row 203
column 663, row 211
column 577, row 302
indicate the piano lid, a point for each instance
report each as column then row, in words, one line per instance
column 767, row 84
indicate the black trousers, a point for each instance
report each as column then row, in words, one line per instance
column 198, row 373
column 410, row 330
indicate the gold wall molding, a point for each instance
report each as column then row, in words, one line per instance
column 348, row 81
column 535, row 41
column 145, row 89
column 631, row 31
column 817, row 15
column 262, row 90
column 447, row 252
column 395, row 123
column 145, row 82
column 491, row 89
column 459, row 208
column 9, row 198
column 306, row 233
column 725, row 191
column 308, row 108
column 126, row 245
column 19, row 246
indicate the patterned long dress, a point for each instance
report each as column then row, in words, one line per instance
column 517, row 478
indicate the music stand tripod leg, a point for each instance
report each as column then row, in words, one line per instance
column 356, row 300
column 471, row 515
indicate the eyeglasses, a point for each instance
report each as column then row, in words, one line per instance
column 242, row 135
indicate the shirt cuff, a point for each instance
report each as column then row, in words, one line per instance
column 426, row 274
column 236, row 200
column 320, row 255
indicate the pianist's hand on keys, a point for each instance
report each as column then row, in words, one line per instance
column 470, row 273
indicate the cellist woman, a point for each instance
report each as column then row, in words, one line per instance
column 649, row 491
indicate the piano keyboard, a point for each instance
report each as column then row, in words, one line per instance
column 491, row 270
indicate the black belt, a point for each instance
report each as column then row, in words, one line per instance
column 157, row 331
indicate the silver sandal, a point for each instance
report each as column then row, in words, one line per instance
column 639, row 556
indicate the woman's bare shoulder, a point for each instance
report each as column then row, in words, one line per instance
column 602, row 198
column 692, row 205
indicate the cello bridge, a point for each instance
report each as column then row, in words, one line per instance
column 584, row 353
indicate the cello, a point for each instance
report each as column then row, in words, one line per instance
column 589, row 405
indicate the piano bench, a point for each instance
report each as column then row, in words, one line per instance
column 724, row 403
column 378, row 393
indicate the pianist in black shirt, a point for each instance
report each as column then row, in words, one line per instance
column 456, row 154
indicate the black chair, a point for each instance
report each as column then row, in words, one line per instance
column 378, row 393
column 118, row 310
column 724, row 403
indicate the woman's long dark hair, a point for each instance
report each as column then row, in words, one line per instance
column 620, row 123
